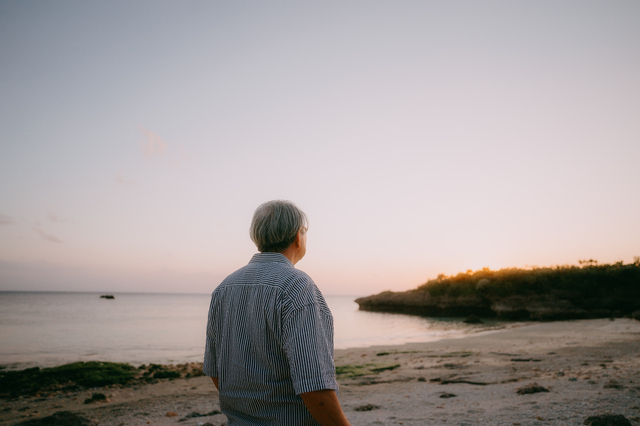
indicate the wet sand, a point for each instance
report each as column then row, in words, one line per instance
column 588, row 367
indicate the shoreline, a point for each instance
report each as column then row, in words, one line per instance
column 588, row 367
column 459, row 334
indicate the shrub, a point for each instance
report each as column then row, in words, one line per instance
column 589, row 281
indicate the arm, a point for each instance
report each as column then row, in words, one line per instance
column 210, row 361
column 325, row 407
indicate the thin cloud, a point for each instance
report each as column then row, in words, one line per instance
column 181, row 157
column 124, row 181
column 152, row 145
column 57, row 218
column 5, row 220
column 48, row 237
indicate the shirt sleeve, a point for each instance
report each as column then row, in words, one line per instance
column 210, row 364
column 308, row 344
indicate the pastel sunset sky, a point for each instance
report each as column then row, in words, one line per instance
column 420, row 137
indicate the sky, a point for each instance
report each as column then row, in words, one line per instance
column 420, row 137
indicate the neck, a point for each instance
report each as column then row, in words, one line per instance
column 291, row 253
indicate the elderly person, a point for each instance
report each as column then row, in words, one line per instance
column 269, row 344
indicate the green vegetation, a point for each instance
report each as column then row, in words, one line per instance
column 353, row 370
column 166, row 374
column 589, row 280
column 158, row 371
column 586, row 291
column 567, row 281
column 461, row 354
column 65, row 377
column 385, row 368
column 79, row 375
column 362, row 369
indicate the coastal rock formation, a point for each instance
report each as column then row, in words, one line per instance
column 473, row 319
column 532, row 307
column 542, row 294
column 423, row 303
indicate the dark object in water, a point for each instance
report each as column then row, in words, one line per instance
column 531, row 388
column 607, row 420
column 448, row 395
column 473, row 319
column 61, row 418
column 107, row 296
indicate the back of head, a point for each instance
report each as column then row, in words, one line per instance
column 275, row 225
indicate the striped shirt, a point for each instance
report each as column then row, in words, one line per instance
column 269, row 339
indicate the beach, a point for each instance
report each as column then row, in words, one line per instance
column 553, row 373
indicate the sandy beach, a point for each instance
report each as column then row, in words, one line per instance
column 553, row 373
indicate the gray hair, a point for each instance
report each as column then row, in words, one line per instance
column 275, row 225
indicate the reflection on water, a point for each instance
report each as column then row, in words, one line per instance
column 55, row 328
column 354, row 328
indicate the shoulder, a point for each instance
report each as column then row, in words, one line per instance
column 303, row 291
column 274, row 274
column 230, row 279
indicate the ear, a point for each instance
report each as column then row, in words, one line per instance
column 297, row 240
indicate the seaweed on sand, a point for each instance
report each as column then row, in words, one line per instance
column 65, row 377
column 362, row 369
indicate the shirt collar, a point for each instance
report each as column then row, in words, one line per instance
column 269, row 257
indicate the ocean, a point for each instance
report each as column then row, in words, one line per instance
column 48, row 329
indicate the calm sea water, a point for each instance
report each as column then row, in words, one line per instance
column 47, row 329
